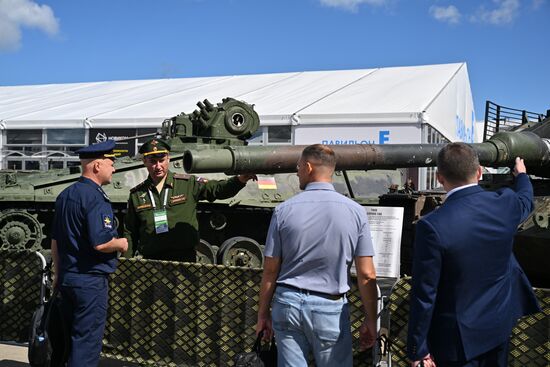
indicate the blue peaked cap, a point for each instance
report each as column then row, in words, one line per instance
column 99, row 150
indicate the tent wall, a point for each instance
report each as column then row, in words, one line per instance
column 452, row 110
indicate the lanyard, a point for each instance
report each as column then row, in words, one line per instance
column 153, row 198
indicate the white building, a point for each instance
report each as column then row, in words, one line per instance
column 42, row 125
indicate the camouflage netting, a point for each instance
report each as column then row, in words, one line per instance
column 20, row 283
column 176, row 314
column 529, row 345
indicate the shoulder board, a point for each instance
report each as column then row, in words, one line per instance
column 137, row 187
column 182, row 176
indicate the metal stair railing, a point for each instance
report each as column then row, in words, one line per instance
column 499, row 118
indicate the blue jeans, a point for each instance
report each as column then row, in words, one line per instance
column 305, row 322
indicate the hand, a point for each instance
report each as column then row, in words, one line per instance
column 367, row 335
column 123, row 245
column 519, row 167
column 245, row 177
column 427, row 361
column 265, row 325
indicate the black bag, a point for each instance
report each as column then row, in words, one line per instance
column 259, row 357
column 40, row 347
column 49, row 338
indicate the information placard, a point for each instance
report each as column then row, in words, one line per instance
column 385, row 225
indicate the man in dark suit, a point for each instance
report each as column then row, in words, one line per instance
column 468, row 290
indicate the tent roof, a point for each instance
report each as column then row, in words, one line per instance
column 393, row 94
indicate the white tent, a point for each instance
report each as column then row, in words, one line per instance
column 397, row 100
column 382, row 105
column 435, row 94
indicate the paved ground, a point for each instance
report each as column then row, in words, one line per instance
column 16, row 356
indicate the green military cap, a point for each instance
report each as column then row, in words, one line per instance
column 154, row 146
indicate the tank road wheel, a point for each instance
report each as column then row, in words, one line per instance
column 206, row 254
column 20, row 230
column 241, row 251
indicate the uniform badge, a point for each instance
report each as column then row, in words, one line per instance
column 177, row 199
column 107, row 221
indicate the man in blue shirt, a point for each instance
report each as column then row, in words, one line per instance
column 84, row 250
column 312, row 241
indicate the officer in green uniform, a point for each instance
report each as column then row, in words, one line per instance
column 161, row 222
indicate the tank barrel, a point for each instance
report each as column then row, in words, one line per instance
column 500, row 151
column 277, row 159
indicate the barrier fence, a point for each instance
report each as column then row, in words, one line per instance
column 529, row 344
column 20, row 285
column 178, row 314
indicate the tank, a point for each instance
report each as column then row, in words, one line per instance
column 528, row 139
column 232, row 231
column 213, row 139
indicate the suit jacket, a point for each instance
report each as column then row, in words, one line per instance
column 467, row 288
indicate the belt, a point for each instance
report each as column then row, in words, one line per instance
column 333, row 297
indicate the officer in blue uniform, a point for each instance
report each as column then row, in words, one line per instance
column 84, row 249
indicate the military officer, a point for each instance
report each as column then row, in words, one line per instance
column 84, row 250
column 161, row 222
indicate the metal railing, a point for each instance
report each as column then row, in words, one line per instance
column 499, row 118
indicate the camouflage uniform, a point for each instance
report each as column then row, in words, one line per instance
column 183, row 191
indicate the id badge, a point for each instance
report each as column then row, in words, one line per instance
column 161, row 221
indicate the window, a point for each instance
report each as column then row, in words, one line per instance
column 26, row 137
column 65, row 136
column 266, row 135
column 55, row 164
column 279, row 134
column 14, row 164
column 34, row 165
column 35, row 147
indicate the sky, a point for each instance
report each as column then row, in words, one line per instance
column 505, row 43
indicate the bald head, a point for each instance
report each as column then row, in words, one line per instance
column 85, row 162
column 99, row 170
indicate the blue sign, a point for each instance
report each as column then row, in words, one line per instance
column 383, row 137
